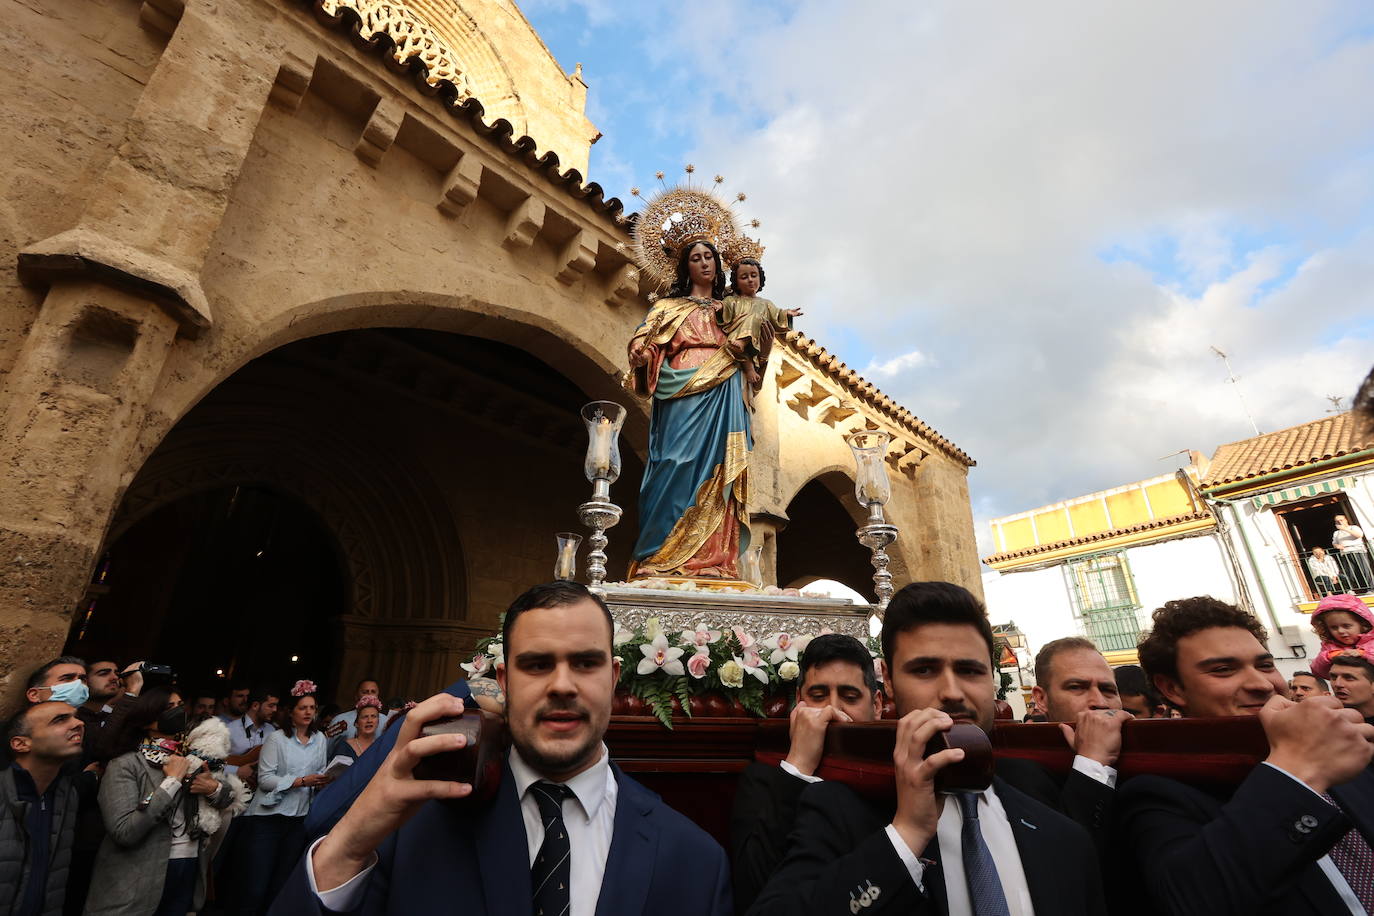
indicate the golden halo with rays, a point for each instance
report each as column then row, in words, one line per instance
column 674, row 218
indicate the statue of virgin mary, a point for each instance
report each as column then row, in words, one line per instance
column 693, row 520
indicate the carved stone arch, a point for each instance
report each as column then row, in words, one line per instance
column 400, row 548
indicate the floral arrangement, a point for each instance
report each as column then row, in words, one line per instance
column 365, row 702
column 668, row 585
column 661, row 667
column 303, row 688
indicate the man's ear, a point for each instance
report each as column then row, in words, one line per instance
column 35, row 694
column 21, row 744
column 615, row 669
column 501, row 676
column 1171, row 690
column 1041, row 698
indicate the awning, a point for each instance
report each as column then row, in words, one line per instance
column 1278, row 497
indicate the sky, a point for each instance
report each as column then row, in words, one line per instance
column 1028, row 223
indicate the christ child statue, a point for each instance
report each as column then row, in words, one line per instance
column 751, row 322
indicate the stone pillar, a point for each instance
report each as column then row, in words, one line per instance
column 122, row 286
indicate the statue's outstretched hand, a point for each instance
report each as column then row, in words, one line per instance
column 794, row 313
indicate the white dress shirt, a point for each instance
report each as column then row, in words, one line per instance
column 1001, row 842
column 589, row 816
column 244, row 735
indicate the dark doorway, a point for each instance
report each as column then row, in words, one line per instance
column 240, row 582
column 1310, row 524
column 819, row 540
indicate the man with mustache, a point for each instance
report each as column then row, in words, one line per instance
column 998, row 851
column 568, row 832
column 1294, row 837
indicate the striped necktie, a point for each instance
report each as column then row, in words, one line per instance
column 980, row 872
column 1355, row 861
column 550, row 875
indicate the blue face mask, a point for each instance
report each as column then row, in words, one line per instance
column 73, row 692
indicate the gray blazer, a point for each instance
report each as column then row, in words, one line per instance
column 132, row 863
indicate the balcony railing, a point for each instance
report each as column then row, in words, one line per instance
column 1304, row 587
column 1118, row 628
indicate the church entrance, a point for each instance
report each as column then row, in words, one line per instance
column 359, row 504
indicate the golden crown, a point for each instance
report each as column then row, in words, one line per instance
column 743, row 247
column 676, row 218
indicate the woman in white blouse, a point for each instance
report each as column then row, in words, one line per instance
column 289, row 772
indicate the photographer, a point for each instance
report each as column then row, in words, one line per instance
column 153, row 860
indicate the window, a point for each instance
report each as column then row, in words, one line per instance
column 1104, row 598
column 1310, row 523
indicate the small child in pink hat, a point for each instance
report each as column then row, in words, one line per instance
column 1346, row 627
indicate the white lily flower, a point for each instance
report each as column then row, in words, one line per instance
column 784, row 648
column 752, row 663
column 478, row 667
column 701, row 636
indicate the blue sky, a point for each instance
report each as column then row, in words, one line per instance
column 1030, row 222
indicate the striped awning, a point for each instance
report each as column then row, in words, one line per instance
column 1278, row 497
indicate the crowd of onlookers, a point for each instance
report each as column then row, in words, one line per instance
column 126, row 794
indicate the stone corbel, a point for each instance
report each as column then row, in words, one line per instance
column 624, row 286
column 293, row 79
column 86, row 253
column 834, row 413
column 380, row 132
column 461, row 185
column 787, row 374
column 524, row 224
column 577, row 257
column 161, row 15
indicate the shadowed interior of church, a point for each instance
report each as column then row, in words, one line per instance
column 819, row 541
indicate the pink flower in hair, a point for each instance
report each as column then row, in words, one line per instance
column 366, row 702
column 303, row 688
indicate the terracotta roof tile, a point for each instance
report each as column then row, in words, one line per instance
column 1330, row 437
column 1151, row 525
column 866, row 391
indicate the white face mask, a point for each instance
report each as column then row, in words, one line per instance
column 73, row 692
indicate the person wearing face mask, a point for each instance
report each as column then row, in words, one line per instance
column 62, row 680
column 153, row 860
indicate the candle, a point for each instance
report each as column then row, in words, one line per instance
column 603, row 436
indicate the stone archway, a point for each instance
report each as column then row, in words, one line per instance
column 438, row 472
column 818, row 541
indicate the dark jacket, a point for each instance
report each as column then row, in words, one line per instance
column 16, row 845
column 840, row 846
column 454, row 858
column 1253, row 851
column 760, row 822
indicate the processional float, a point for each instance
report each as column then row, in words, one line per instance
column 708, row 650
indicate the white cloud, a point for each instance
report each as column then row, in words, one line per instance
column 892, row 368
column 950, row 173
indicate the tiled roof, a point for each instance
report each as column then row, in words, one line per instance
column 499, row 132
column 1287, row 449
column 1152, row 525
column 866, row 391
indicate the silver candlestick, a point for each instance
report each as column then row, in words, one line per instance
column 602, row 467
column 873, row 490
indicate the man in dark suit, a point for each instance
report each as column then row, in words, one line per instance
column 1075, row 687
column 568, row 832
column 837, row 684
column 1293, row 838
column 997, row 851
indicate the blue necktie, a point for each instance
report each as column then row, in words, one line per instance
column 550, row 875
column 984, row 886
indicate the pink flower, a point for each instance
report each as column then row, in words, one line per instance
column 784, row 648
column 365, row 702
column 478, row 667
column 701, row 636
column 745, row 640
column 699, row 663
column 303, row 688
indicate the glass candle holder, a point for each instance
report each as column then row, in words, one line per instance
column 871, row 485
column 603, row 420
column 751, row 566
column 565, row 565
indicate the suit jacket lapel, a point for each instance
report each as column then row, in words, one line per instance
column 502, row 848
column 933, row 878
column 1037, row 850
column 634, row 849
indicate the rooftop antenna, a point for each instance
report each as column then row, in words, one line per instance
column 1231, row 377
